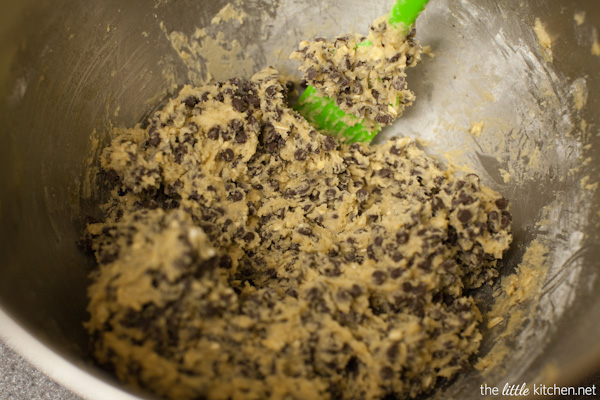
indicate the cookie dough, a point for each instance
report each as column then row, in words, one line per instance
column 365, row 75
column 246, row 256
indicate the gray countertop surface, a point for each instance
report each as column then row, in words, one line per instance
column 19, row 380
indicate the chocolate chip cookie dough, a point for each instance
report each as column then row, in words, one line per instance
column 365, row 75
column 246, row 256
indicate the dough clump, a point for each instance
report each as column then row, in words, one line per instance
column 364, row 75
column 246, row 256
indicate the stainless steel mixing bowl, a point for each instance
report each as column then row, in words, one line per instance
column 69, row 70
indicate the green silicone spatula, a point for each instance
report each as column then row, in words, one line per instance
column 326, row 116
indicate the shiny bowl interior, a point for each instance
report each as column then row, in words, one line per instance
column 71, row 70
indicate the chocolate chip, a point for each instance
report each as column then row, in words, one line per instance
column 401, row 237
column 437, row 203
column 249, row 236
column 278, row 114
column 236, row 125
column 191, row 101
column 399, row 84
column 505, row 219
column 329, row 143
column 492, row 221
column 417, row 307
column 352, row 367
column 330, row 193
column 289, row 193
column 362, row 194
column 253, row 100
column 407, row 286
column 225, row 262
column 493, row 216
column 238, row 104
column 272, row 147
column 383, row 119
column 241, row 137
column 378, row 277
column 179, row 152
column 271, row 91
column 269, row 133
column 348, row 63
column 452, row 235
column 305, row 231
column 425, row 265
column 235, row 196
column 214, row 132
column 464, row 215
column 248, row 86
column 502, row 203
column 355, row 290
column 396, row 273
column 300, row 155
column 225, row 135
column 385, row 173
column 154, row 140
column 465, row 199
column 274, row 184
column 304, row 189
column 226, row 155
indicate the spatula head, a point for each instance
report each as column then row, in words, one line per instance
column 328, row 118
